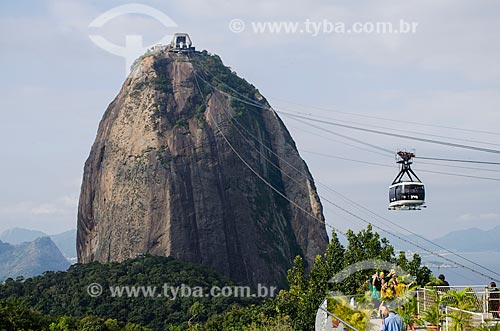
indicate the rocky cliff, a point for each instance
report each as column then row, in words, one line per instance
column 163, row 176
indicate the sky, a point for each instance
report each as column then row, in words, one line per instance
column 56, row 84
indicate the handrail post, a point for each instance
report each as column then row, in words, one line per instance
column 485, row 299
column 425, row 299
column 446, row 317
column 341, row 320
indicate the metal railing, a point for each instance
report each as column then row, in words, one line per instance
column 479, row 317
column 481, row 293
column 485, row 301
column 338, row 318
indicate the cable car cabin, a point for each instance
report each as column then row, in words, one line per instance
column 181, row 43
column 406, row 195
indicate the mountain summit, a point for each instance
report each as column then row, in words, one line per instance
column 30, row 258
column 173, row 170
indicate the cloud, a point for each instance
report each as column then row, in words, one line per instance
column 61, row 205
column 489, row 216
column 46, row 209
column 16, row 208
column 479, row 217
column 452, row 37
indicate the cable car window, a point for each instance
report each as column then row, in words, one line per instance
column 414, row 192
column 398, row 190
column 392, row 194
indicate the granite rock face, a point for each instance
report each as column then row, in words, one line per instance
column 165, row 175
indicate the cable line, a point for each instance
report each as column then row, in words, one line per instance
column 387, row 150
column 411, row 232
column 458, row 175
column 383, row 154
column 456, row 160
column 361, row 115
column 337, row 141
column 347, row 159
column 475, row 148
column 350, row 138
column 255, row 172
column 389, row 166
column 388, row 119
column 336, row 205
column 398, row 130
column 254, row 103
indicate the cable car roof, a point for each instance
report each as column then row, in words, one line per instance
column 407, row 183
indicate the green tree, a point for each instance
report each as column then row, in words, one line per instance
column 112, row 325
column 64, row 324
column 65, row 293
column 463, row 300
column 422, row 274
column 91, row 323
column 16, row 315
column 134, row 327
column 365, row 245
column 307, row 292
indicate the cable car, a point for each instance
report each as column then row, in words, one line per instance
column 181, row 43
column 406, row 194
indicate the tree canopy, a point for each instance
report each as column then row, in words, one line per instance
column 59, row 300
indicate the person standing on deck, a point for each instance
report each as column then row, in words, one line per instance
column 443, row 284
column 376, row 287
column 392, row 321
column 442, row 281
column 494, row 300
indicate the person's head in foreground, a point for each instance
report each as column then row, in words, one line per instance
column 384, row 310
column 392, row 321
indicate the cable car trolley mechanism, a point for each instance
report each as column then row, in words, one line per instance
column 407, row 191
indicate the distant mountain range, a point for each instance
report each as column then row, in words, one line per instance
column 30, row 258
column 471, row 240
column 65, row 241
column 17, row 236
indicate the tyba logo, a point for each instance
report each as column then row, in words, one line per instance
column 134, row 44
